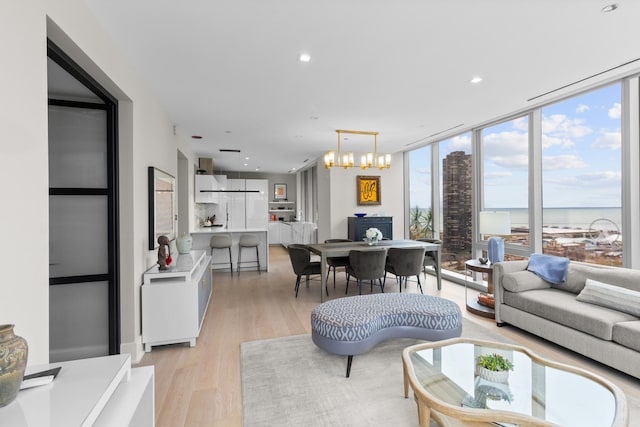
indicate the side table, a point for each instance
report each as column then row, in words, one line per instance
column 474, row 306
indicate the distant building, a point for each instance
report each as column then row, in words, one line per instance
column 456, row 200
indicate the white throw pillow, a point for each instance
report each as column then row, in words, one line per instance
column 610, row 296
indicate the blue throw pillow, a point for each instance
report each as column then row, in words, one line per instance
column 551, row 268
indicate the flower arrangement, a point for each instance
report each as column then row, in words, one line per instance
column 373, row 235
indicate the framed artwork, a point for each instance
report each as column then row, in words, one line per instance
column 368, row 189
column 162, row 191
column 279, row 191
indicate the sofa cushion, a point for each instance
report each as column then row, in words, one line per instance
column 614, row 297
column 627, row 334
column 578, row 273
column 521, row 281
column 563, row 308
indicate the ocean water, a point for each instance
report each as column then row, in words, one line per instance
column 584, row 218
column 602, row 218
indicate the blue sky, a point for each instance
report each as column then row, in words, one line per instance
column 581, row 156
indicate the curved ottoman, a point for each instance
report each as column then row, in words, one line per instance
column 354, row 325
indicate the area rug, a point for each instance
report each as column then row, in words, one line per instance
column 290, row 382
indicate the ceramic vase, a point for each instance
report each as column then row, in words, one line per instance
column 13, row 361
column 184, row 243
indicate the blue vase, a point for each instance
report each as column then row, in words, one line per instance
column 495, row 253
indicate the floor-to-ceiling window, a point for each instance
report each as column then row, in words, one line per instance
column 420, row 201
column 581, row 177
column 567, row 202
column 455, row 188
column 505, row 175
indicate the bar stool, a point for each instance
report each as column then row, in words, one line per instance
column 221, row 241
column 248, row 241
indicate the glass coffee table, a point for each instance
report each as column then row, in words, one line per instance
column 449, row 390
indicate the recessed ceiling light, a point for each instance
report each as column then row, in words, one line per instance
column 246, row 164
column 476, row 79
column 246, row 158
column 304, row 57
column 609, row 8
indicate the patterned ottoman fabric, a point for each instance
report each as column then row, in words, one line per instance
column 357, row 318
column 354, row 325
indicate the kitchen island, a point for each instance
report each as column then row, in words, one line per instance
column 202, row 235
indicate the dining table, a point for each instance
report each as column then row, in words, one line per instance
column 342, row 249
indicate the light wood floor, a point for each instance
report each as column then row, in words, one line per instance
column 200, row 386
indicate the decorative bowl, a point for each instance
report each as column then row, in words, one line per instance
column 360, row 215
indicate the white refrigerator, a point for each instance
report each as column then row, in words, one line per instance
column 247, row 204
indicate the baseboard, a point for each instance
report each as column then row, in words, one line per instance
column 134, row 349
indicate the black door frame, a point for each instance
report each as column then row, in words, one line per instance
column 111, row 107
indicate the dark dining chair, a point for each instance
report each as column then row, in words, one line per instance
column 403, row 263
column 367, row 265
column 300, row 257
column 432, row 259
column 338, row 261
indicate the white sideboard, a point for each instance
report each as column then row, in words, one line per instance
column 174, row 301
column 100, row 391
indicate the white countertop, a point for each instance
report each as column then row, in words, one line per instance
column 209, row 230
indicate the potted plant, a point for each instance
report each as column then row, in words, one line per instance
column 494, row 367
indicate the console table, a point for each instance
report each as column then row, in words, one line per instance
column 174, row 301
column 100, row 391
column 357, row 226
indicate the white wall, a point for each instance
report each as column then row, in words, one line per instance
column 337, row 198
column 146, row 138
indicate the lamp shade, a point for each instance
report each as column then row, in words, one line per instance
column 495, row 223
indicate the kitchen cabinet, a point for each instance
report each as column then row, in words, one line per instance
column 274, row 233
column 205, row 186
column 358, row 226
column 183, row 291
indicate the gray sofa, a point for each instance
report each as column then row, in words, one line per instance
column 603, row 331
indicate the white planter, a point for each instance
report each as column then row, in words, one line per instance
column 493, row 376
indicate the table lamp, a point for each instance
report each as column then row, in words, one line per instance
column 495, row 223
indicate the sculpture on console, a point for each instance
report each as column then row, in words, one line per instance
column 164, row 253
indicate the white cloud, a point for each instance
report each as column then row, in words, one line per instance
column 615, row 112
column 610, row 140
column 549, row 141
column 593, row 181
column 461, row 143
column 492, row 175
column 567, row 161
column 520, row 161
column 521, row 123
column 582, row 108
column 560, row 126
column 423, row 171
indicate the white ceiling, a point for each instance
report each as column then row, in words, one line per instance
column 229, row 70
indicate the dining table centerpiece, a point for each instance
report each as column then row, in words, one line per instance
column 372, row 236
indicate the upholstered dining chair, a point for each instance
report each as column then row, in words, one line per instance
column 300, row 257
column 338, row 261
column 432, row 259
column 403, row 263
column 367, row 265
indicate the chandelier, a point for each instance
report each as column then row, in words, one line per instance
column 367, row 160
